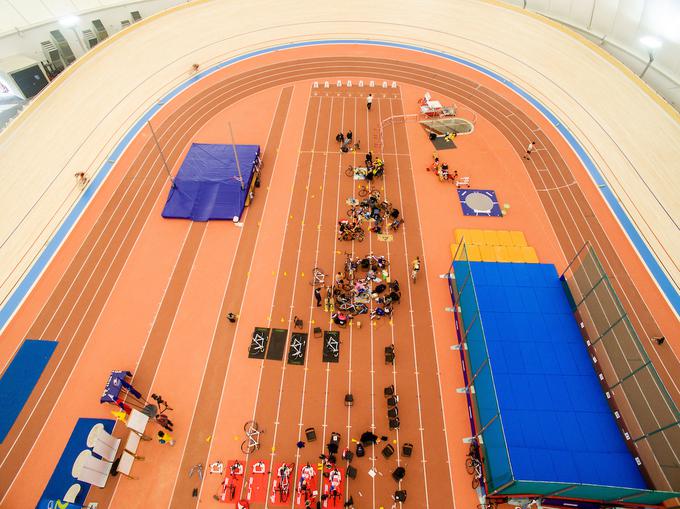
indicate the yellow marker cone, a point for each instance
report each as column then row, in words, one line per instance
column 354, row 440
column 313, row 321
column 394, row 441
column 291, row 216
column 282, row 320
column 208, row 438
column 285, row 273
column 312, row 196
column 273, row 448
column 236, row 437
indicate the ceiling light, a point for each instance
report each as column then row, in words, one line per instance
column 650, row 41
column 69, row 21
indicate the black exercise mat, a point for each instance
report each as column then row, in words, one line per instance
column 328, row 354
column 258, row 343
column 297, row 349
column 442, row 144
column 277, row 344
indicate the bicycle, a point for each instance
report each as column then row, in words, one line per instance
column 363, row 190
column 473, row 464
column 318, row 277
column 252, row 442
column 474, row 468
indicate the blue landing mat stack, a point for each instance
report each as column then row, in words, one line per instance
column 19, row 379
column 546, row 421
column 207, row 185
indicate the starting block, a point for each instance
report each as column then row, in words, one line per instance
column 384, row 84
column 339, row 83
column 394, row 84
column 326, row 84
column 315, row 85
column 361, row 84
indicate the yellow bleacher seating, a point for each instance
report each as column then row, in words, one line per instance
column 504, row 238
column 518, row 238
column 488, row 253
column 491, row 238
column 529, row 254
column 515, row 254
column 473, row 253
column 501, row 254
column 475, row 237
column 459, row 234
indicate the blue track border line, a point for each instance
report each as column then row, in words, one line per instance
column 29, row 280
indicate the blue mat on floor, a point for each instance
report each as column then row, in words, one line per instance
column 62, row 479
column 208, row 185
column 19, row 379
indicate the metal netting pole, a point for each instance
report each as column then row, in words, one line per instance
column 165, row 163
column 238, row 164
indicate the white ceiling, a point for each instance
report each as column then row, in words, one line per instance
column 617, row 25
column 25, row 13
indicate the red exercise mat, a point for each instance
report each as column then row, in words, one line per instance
column 256, row 490
column 229, row 482
column 281, row 495
column 311, row 492
column 333, row 488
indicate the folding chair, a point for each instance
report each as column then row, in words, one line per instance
column 389, row 354
column 398, row 473
column 400, row 496
column 310, row 434
column 349, row 400
column 318, row 332
column 394, row 423
column 388, row 451
column 347, row 455
column 407, row 449
column 393, row 400
column 393, row 412
column 389, row 390
column 297, row 322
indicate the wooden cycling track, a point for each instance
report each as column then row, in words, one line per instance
column 77, row 301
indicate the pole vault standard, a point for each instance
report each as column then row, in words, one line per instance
column 238, row 164
column 165, row 163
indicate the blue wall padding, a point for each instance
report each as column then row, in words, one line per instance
column 558, row 426
column 19, row 379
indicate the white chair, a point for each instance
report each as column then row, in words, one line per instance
column 106, row 445
column 94, row 471
column 132, row 444
column 72, row 493
column 125, row 464
column 137, row 422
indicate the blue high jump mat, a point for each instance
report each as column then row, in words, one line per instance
column 19, row 379
column 62, row 477
column 479, row 202
column 208, row 185
column 533, row 369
